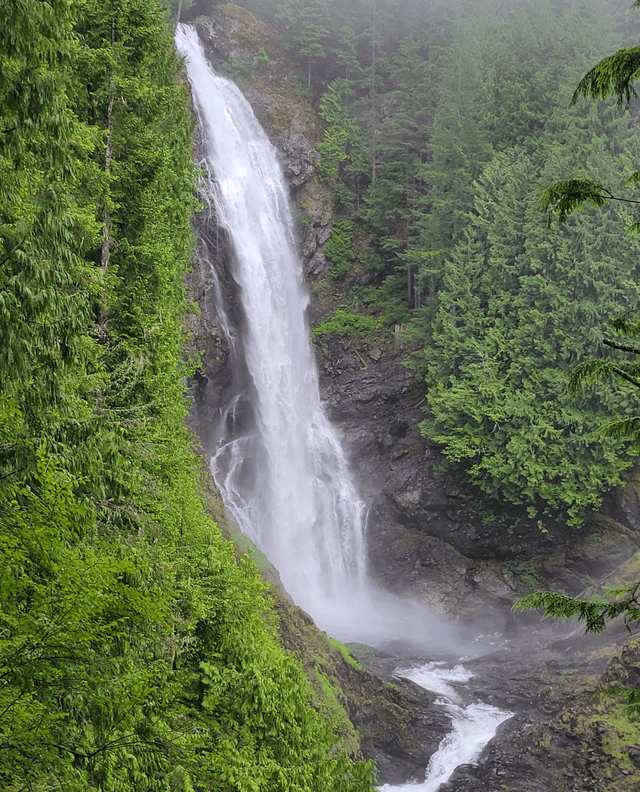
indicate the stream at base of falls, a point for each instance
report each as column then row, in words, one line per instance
column 473, row 725
column 278, row 462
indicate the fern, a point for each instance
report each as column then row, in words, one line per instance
column 594, row 612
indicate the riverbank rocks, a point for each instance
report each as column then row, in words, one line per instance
column 397, row 724
column 571, row 731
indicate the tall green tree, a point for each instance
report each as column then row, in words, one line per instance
column 517, row 310
column 305, row 22
column 613, row 76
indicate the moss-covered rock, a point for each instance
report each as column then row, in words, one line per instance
column 397, row 725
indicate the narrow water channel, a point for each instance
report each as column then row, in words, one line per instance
column 473, row 725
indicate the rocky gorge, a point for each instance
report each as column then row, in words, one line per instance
column 429, row 536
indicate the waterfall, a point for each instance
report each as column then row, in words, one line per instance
column 278, row 462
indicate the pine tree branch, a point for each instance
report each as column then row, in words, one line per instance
column 595, row 612
column 612, row 76
column 564, row 197
column 626, row 427
column 635, row 381
column 624, row 347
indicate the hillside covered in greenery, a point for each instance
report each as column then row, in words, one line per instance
column 135, row 652
column 445, row 122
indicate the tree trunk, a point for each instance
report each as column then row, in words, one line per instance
column 106, row 227
column 373, row 95
column 106, row 221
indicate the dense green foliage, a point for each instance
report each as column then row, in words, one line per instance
column 338, row 247
column 594, row 612
column 345, row 323
column 612, row 76
column 135, row 652
column 515, row 315
column 625, row 367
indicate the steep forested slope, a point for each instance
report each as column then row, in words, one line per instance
column 135, row 653
column 519, row 305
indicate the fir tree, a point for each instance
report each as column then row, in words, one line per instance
column 613, row 76
column 517, row 310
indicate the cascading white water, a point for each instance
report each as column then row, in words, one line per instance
column 284, row 476
column 278, row 462
column 473, row 725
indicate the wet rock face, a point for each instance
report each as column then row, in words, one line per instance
column 423, row 539
column 239, row 45
column 430, row 537
column 231, row 36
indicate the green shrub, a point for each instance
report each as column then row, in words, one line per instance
column 346, row 323
column 338, row 247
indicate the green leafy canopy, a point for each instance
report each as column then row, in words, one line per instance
column 136, row 654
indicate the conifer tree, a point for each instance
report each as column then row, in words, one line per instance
column 613, row 76
column 516, row 312
column 307, row 29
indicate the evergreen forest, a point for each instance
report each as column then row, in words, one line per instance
column 444, row 125
column 137, row 654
